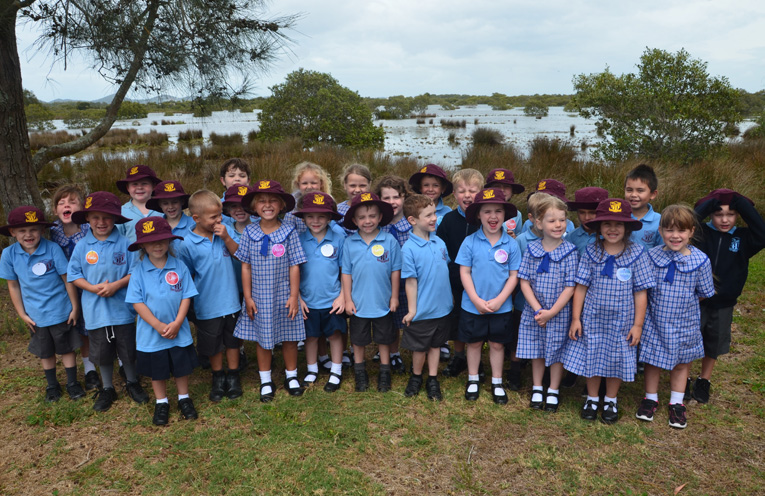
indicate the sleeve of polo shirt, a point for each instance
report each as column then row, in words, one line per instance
column 524, row 272
column 59, row 259
column 584, row 271
column 133, row 260
column 295, row 249
column 643, row 277
column 135, row 293
column 395, row 253
column 408, row 267
column 245, row 249
column 465, row 254
column 189, row 288
column 184, row 256
column 515, row 256
column 346, row 263
column 74, row 269
column 6, row 266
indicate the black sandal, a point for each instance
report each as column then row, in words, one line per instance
column 472, row 396
column 552, row 407
column 267, row 397
column 331, row 387
column 537, row 405
column 293, row 391
column 310, row 377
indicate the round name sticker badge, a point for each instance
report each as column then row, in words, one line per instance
column 171, row 278
column 623, row 274
column 327, row 250
column 510, row 225
column 500, row 256
column 378, row 250
column 278, row 250
column 39, row 269
column 91, row 257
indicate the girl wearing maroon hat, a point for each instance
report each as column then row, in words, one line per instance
column 139, row 183
column 433, row 182
column 170, row 198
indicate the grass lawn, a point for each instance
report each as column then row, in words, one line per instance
column 385, row 444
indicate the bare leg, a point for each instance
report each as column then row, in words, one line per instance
column 473, row 356
column 336, row 347
column 48, row 363
column 160, row 389
column 290, row 354
column 264, row 358
column 358, row 353
column 321, row 348
column 434, row 356
column 232, row 357
column 216, row 362
column 418, row 361
column 459, row 346
column 181, row 384
column 556, row 374
column 496, row 358
column 537, row 371
column 312, row 350
column 612, row 386
column 678, row 377
column 384, row 354
column 593, row 386
column 652, row 375
column 707, row 365
column 68, row 359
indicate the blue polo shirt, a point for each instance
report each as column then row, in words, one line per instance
column 209, row 263
column 527, row 226
column 580, row 238
column 98, row 261
column 320, row 275
column 184, row 227
column 428, row 261
column 162, row 290
column 134, row 214
column 43, row 292
column 515, row 224
column 491, row 266
column 441, row 210
column 523, row 241
column 648, row 235
column 370, row 266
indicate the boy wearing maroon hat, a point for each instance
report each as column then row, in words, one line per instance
column 585, row 202
column 170, row 198
column 433, row 182
column 138, row 184
column 729, row 248
column 35, row 270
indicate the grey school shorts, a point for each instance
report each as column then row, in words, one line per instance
column 59, row 339
column 715, row 329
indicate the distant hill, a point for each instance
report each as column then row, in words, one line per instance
column 108, row 98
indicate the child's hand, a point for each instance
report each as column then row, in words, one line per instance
column 292, row 307
column 73, row 315
column 28, row 321
column 542, row 317
column 304, row 309
column 350, row 307
column 492, row 305
column 393, row 303
column 407, row 320
column 250, row 307
column 221, row 231
column 634, row 335
column 575, row 330
column 106, row 289
column 171, row 330
column 338, row 306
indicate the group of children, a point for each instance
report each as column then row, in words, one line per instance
column 278, row 268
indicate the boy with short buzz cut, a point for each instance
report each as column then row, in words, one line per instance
column 35, row 270
column 640, row 189
column 425, row 268
column 206, row 251
column 729, row 248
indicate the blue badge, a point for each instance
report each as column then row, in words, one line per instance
column 734, row 244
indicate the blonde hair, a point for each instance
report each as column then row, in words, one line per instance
column 468, row 176
column 358, row 169
column 680, row 216
column 305, row 166
column 202, row 199
column 545, row 203
column 535, row 201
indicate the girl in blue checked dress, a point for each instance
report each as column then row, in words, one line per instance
column 609, row 308
column 672, row 337
column 270, row 252
column 547, row 276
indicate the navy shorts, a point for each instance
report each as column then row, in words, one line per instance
column 385, row 330
column 171, row 362
column 217, row 335
column 715, row 330
column 49, row 341
column 494, row 327
column 422, row 335
column 110, row 342
column 321, row 323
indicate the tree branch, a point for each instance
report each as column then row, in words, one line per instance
column 23, row 4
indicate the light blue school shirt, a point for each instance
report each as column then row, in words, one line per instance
column 515, row 224
column 523, row 240
column 320, row 275
column 184, row 227
column 134, row 214
column 648, row 235
column 441, row 210
column 527, row 226
column 97, row 261
column 43, row 292
column 427, row 260
column 162, row 290
column 489, row 274
column 371, row 290
column 580, row 238
column 209, row 263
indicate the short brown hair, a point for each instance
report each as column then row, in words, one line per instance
column 358, row 169
column 67, row 190
column 680, row 216
column 393, row 182
column 235, row 163
column 415, row 204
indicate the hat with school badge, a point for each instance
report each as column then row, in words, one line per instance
column 431, row 170
column 102, row 202
column 24, row 216
column 615, row 209
column 235, row 194
column 317, row 202
column 551, row 187
column 367, row 200
column 503, row 176
column 136, row 173
column 489, row 196
column 271, row 187
column 167, row 190
column 724, row 195
column 587, row 198
column 150, row 229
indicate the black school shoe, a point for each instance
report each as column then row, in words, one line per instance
column 233, row 385
column 609, row 415
column 397, row 364
column 433, row 389
column 457, row 365
column 218, row 387
column 499, row 399
column 362, row 380
column 413, row 386
column 161, row 414
column 688, row 387
column 53, row 393
column 590, row 410
column 472, row 396
column 332, row 387
column 267, row 397
column 537, row 405
column 383, row 381
column 186, row 407
column 75, row 391
column 293, row 391
column 552, row 407
column 136, row 392
column 701, row 390
column 104, row 399
column 92, row 381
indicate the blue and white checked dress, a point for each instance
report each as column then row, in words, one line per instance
column 67, row 243
column 547, row 283
column 609, row 312
column 401, row 231
column 672, row 333
column 270, row 285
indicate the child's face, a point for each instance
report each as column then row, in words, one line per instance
column 208, row 218
column 267, row 206
column 236, row 212
column 394, row 198
column 427, row 220
column 157, row 250
column 101, row 224
column 317, row 223
column 367, row 218
column 140, row 191
column 553, row 224
column 308, row 182
column 675, row 238
column 235, row 176
column 355, row 185
column 431, row 187
column 585, row 215
column 491, row 216
column 724, row 219
column 612, row 231
column 28, row 237
column 638, row 194
column 506, row 189
column 465, row 193
column 66, row 206
column 171, row 208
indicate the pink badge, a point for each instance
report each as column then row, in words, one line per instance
column 278, row 250
column 171, row 278
column 510, row 224
column 500, row 256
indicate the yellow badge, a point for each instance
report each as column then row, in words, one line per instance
column 133, row 171
column 264, row 185
column 378, row 250
column 31, row 216
column 424, row 169
column 88, row 202
column 148, row 227
column 169, row 187
column 499, row 175
column 488, row 194
column 241, row 191
column 366, row 197
column 91, row 257
column 318, row 200
column 615, row 207
column 542, row 185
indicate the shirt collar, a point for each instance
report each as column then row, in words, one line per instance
column 420, row 241
column 732, row 229
column 113, row 237
column 462, row 212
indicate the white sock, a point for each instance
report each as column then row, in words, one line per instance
column 88, row 365
column 536, row 393
column 241, row 349
column 473, row 387
column 497, row 381
column 594, row 400
column 653, row 396
column 162, row 400
column 264, row 378
column 313, row 367
column 606, row 399
column 676, row 397
column 292, row 378
column 396, row 354
column 553, row 400
column 182, row 397
column 120, row 361
column 337, row 368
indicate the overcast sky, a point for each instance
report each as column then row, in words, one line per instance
column 409, row 47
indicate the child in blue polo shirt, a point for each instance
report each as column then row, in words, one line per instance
column 35, row 270
column 100, row 266
column 640, row 189
column 160, row 290
column 233, row 172
column 425, row 268
column 232, row 207
column 433, row 182
column 585, row 202
column 169, row 198
column 504, row 180
column 139, row 183
column 206, row 251
column 321, row 298
column 489, row 261
column 371, row 277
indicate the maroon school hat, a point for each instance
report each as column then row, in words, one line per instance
column 136, row 173
column 587, row 198
column 551, row 187
column 103, row 202
column 493, row 196
column 24, row 216
column 503, row 176
column 317, row 202
column 367, row 199
column 615, row 209
column 151, row 229
column 236, row 193
column 431, row 170
column 268, row 186
column 724, row 195
column 167, row 190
